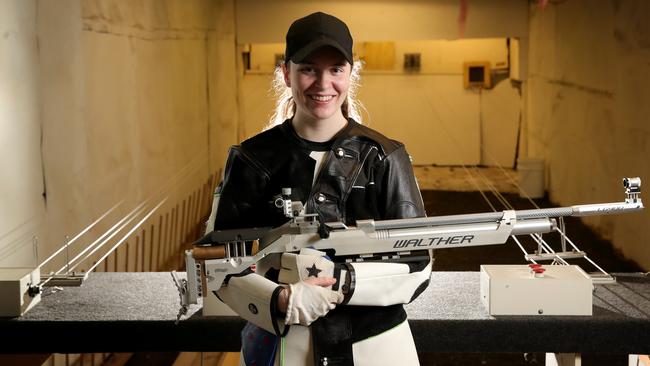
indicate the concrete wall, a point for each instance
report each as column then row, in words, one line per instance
column 588, row 107
column 223, row 76
column 439, row 121
column 259, row 21
column 133, row 98
column 21, row 182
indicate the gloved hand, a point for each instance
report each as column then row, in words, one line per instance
column 310, row 263
column 309, row 300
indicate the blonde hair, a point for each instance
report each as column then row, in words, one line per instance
column 285, row 107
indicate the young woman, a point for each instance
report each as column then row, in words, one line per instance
column 306, row 308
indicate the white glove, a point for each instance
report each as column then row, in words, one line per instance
column 310, row 263
column 309, row 302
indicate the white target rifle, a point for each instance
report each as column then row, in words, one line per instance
column 227, row 252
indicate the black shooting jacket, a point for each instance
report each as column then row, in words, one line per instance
column 364, row 175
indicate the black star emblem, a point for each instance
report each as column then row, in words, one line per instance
column 313, row 271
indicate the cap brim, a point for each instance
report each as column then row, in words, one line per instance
column 302, row 54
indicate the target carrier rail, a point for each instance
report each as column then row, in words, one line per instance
column 226, row 252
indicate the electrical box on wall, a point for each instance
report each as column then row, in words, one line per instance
column 412, row 62
column 476, row 74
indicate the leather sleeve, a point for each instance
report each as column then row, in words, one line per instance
column 240, row 193
column 239, row 203
column 385, row 283
column 398, row 192
column 243, row 197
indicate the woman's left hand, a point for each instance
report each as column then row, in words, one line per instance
column 308, row 300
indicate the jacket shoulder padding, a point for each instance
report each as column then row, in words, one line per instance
column 364, row 133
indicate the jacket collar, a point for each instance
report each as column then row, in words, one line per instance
column 350, row 129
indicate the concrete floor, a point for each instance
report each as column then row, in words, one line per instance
column 468, row 178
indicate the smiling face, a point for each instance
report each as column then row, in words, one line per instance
column 319, row 85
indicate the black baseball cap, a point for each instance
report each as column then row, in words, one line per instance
column 314, row 31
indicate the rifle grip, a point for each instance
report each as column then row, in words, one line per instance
column 214, row 252
column 218, row 251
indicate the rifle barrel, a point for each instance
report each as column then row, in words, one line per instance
column 579, row 210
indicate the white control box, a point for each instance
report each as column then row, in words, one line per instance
column 15, row 294
column 517, row 290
